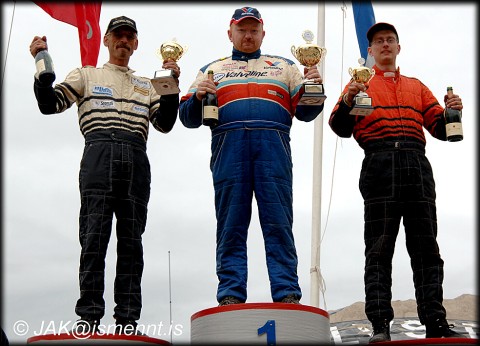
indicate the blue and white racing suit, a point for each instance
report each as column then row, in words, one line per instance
column 257, row 98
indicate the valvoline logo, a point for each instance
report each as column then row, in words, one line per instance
column 247, row 9
column 272, row 63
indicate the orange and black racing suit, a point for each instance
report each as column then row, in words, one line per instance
column 396, row 181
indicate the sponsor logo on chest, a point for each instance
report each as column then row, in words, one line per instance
column 141, row 86
column 101, row 90
column 103, row 103
column 141, row 110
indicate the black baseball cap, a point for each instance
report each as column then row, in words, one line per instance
column 121, row 21
column 245, row 12
column 379, row 27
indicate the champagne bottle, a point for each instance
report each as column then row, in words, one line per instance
column 453, row 121
column 210, row 107
column 45, row 72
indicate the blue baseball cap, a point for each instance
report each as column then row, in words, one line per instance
column 245, row 12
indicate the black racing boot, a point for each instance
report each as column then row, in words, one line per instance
column 85, row 326
column 441, row 329
column 126, row 327
column 381, row 331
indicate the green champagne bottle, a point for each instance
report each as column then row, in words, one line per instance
column 210, row 107
column 453, row 121
column 44, row 64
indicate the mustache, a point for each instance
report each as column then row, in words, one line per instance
column 122, row 45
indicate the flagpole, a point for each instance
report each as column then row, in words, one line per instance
column 315, row 275
column 170, row 297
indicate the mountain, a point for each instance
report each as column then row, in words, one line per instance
column 350, row 324
column 463, row 307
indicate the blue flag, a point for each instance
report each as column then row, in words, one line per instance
column 364, row 19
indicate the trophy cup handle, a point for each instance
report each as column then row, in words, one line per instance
column 185, row 49
column 350, row 71
column 324, row 52
column 293, row 49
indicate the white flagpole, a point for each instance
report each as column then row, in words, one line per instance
column 170, row 297
column 315, row 275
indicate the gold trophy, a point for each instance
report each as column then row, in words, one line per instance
column 362, row 102
column 309, row 55
column 165, row 82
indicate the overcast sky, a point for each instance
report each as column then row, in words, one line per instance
column 41, row 156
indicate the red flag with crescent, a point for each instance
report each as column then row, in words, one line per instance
column 86, row 17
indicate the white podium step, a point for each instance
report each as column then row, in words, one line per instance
column 261, row 323
column 430, row 342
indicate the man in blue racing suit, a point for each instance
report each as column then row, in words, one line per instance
column 257, row 99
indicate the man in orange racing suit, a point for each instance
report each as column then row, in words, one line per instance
column 396, row 181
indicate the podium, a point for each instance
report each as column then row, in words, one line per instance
column 261, row 324
column 431, row 342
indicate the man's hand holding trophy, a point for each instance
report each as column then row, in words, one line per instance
column 362, row 102
column 309, row 55
column 165, row 81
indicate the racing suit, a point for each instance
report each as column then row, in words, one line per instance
column 115, row 108
column 257, row 98
column 396, row 180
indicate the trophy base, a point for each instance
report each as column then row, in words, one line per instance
column 363, row 106
column 361, row 110
column 165, row 83
column 313, row 95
